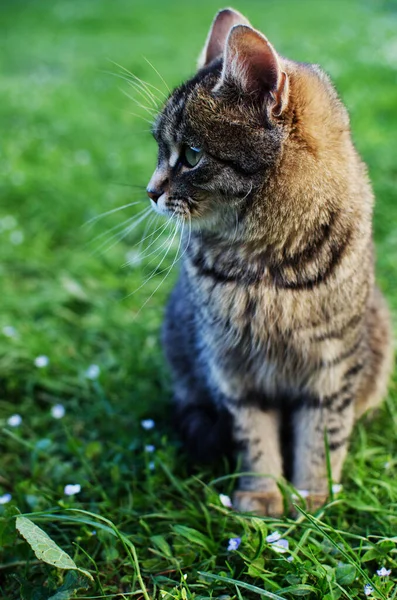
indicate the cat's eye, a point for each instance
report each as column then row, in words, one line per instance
column 191, row 155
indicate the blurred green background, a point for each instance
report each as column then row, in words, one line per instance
column 73, row 145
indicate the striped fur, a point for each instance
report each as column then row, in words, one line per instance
column 275, row 329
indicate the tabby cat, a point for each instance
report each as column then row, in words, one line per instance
column 277, row 336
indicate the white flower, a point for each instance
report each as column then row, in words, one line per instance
column 7, row 222
column 14, row 420
column 368, row 589
column 185, row 576
column 151, row 466
column 147, row 424
column 93, row 372
column 71, row 489
column 9, row 331
column 58, row 411
column 150, row 448
column 383, row 572
column 273, row 537
column 387, row 464
column 5, row 498
column 41, row 361
column 16, row 237
column 281, row 546
column 290, row 559
column 233, row 544
column 304, row 493
column 336, row 488
column 225, row 501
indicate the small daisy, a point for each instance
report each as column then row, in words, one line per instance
column 147, row 424
column 383, row 572
column 16, row 237
column 41, row 361
column 225, row 501
column 71, row 489
column 93, row 372
column 14, row 420
column 336, row 488
column 5, row 498
column 150, row 448
column 368, row 589
column 58, row 411
column 8, row 222
column 233, row 544
column 9, row 331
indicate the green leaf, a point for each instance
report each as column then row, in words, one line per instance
column 256, row 567
column 299, row 590
column 345, row 574
column 371, row 554
column 45, row 548
column 242, row 584
column 195, row 537
column 161, row 544
column 72, row 583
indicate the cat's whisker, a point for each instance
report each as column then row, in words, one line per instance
column 138, row 88
column 163, row 226
column 142, row 81
column 145, row 84
column 188, row 239
column 143, row 91
column 120, row 236
column 145, row 235
column 155, row 270
column 168, row 271
column 110, row 212
column 142, row 118
column 156, row 71
column 115, row 228
column 157, row 252
column 150, row 111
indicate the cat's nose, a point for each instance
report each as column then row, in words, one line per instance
column 154, row 194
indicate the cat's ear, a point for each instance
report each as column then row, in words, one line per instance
column 220, row 28
column 251, row 62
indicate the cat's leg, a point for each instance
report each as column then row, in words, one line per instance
column 205, row 429
column 257, row 433
column 314, row 420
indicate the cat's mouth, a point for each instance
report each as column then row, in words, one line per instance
column 172, row 206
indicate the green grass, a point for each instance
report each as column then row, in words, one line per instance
column 70, row 150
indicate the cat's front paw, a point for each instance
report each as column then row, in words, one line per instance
column 310, row 502
column 263, row 503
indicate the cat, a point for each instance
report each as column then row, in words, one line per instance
column 276, row 334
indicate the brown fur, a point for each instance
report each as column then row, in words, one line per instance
column 276, row 311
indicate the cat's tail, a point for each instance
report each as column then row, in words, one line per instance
column 206, row 431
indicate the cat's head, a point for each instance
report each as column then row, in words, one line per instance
column 223, row 134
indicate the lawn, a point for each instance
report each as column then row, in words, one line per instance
column 84, row 391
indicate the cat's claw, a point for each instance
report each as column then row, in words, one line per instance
column 263, row 503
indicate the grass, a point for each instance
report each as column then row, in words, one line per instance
column 143, row 524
